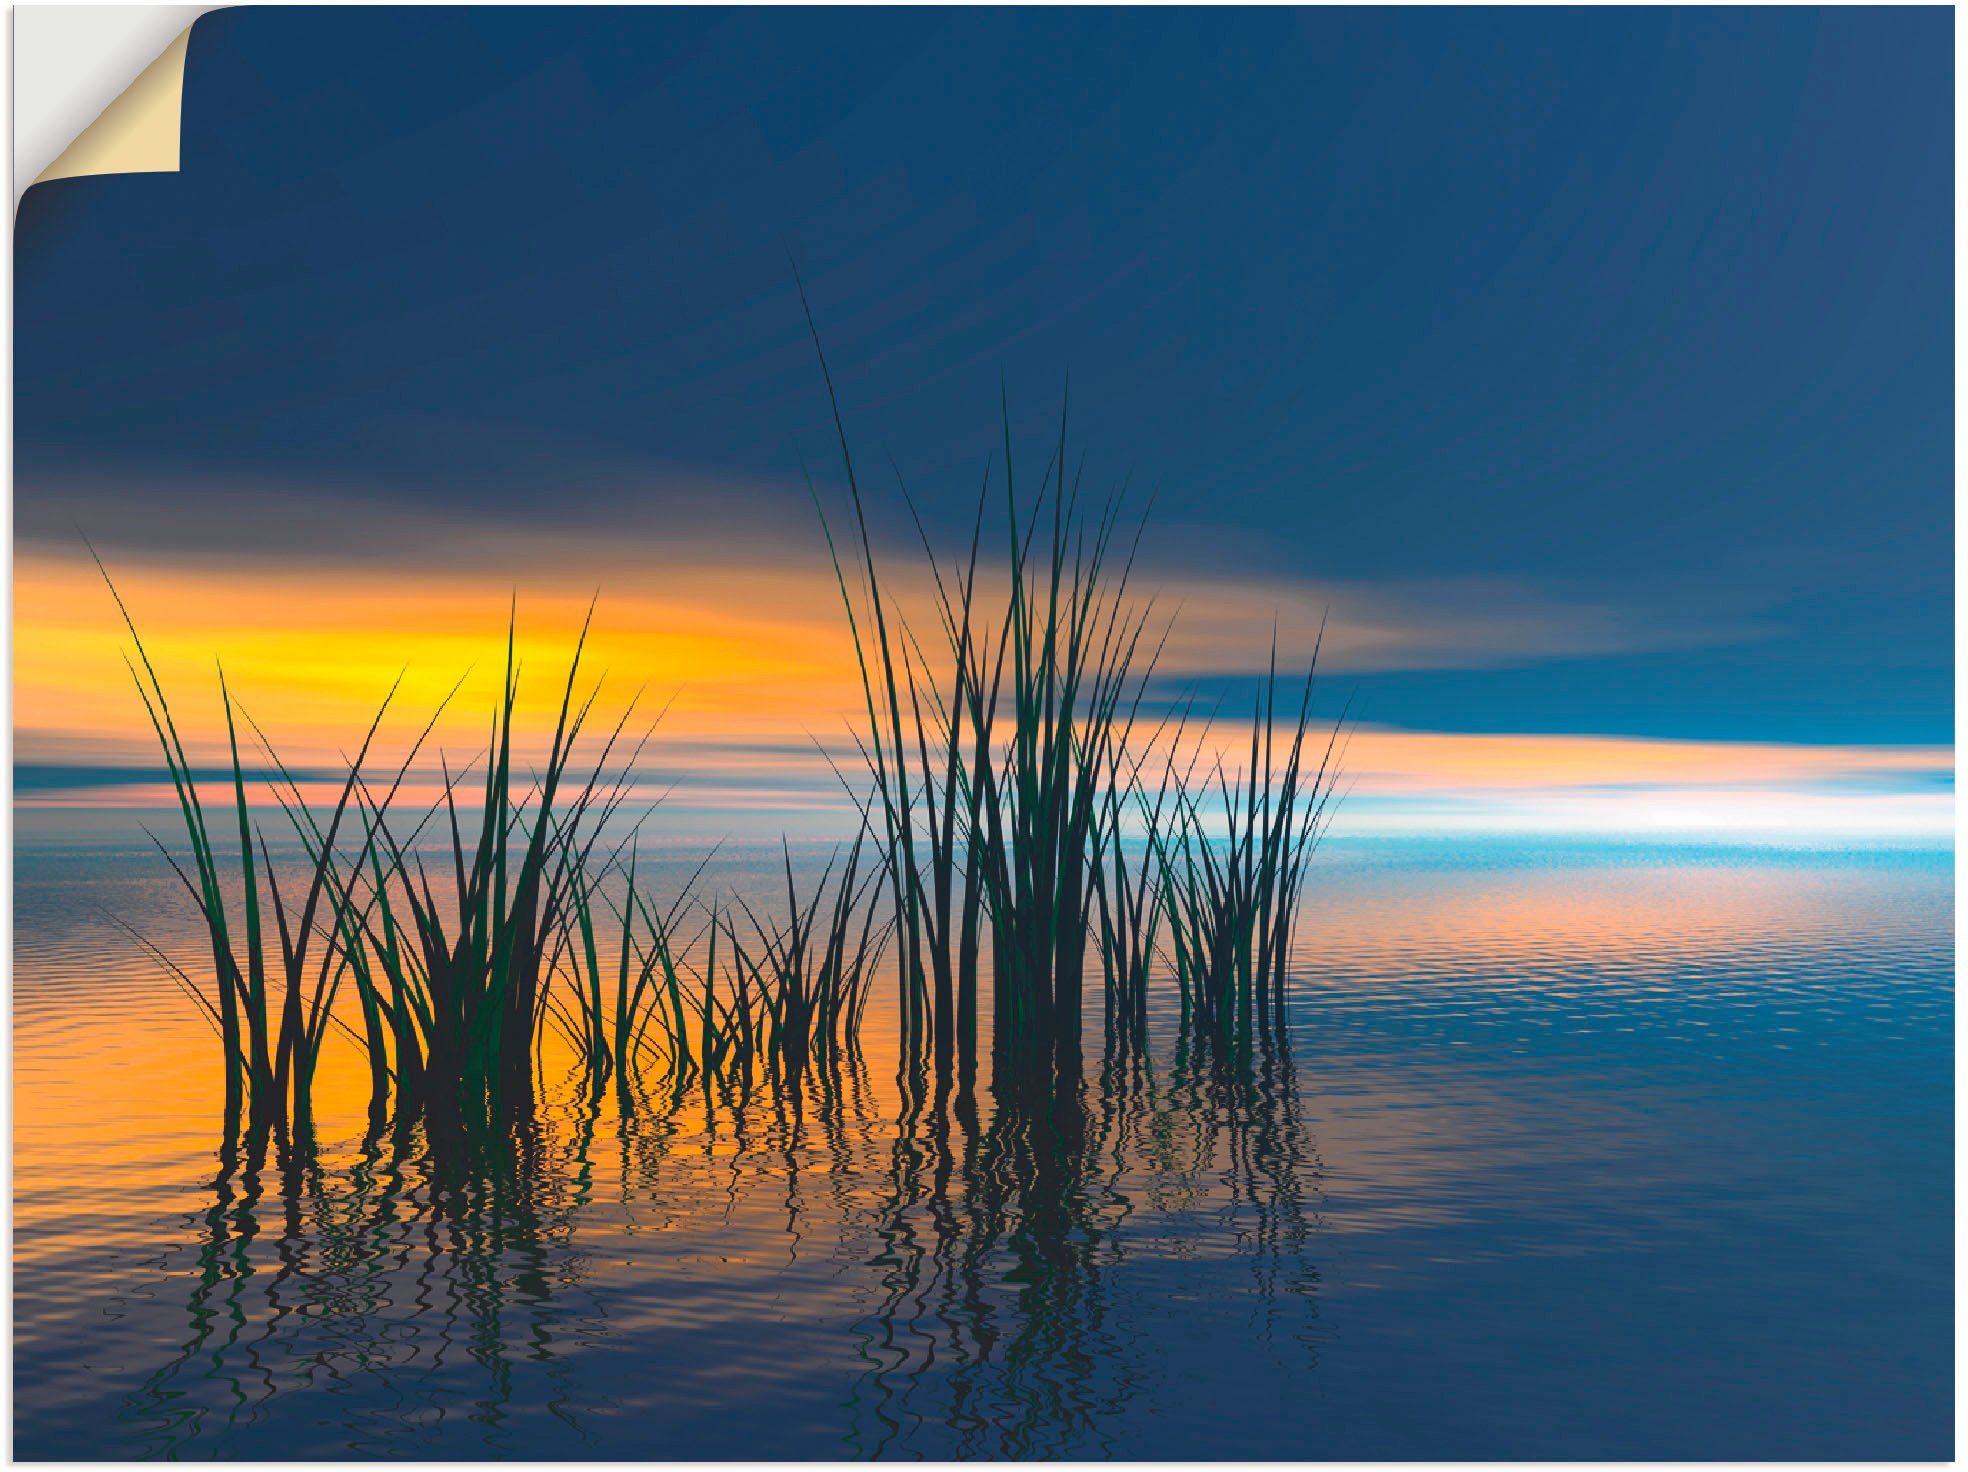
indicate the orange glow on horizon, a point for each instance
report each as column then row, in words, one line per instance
column 756, row 665
column 311, row 665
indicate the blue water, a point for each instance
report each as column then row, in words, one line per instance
column 1581, row 1151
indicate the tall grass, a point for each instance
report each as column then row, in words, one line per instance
column 811, row 972
column 1233, row 865
column 1063, row 669
column 452, row 993
column 615, row 1000
column 1028, row 799
column 1031, row 820
column 1130, row 890
column 269, row 1062
column 994, row 784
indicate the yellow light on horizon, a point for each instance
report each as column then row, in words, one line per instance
column 755, row 664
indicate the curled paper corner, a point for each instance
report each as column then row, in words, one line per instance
column 138, row 132
column 98, row 89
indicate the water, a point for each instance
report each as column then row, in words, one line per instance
column 1580, row 1152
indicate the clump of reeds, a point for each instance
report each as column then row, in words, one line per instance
column 452, row 993
column 271, row 1014
column 622, row 1007
column 1232, row 887
column 467, row 979
column 811, row 972
column 1022, row 801
column 514, row 915
column 1130, row 891
column 994, row 785
column 1017, row 799
column 743, row 995
column 929, row 799
column 1064, row 667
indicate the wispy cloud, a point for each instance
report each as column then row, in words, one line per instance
column 312, row 589
column 1415, row 624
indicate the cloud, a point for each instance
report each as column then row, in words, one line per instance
column 1417, row 624
column 703, row 553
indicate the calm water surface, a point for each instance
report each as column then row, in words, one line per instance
column 1617, row 1151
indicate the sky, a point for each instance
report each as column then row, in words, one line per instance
column 1590, row 370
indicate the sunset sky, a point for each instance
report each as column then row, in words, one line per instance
column 1590, row 370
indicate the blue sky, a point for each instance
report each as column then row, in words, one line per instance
column 1628, row 329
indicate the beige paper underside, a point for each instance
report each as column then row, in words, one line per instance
column 138, row 132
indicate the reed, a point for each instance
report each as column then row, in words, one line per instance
column 905, row 780
column 1232, row 887
column 626, row 1007
column 451, row 996
column 470, row 979
column 993, row 785
column 1020, row 796
column 269, row 1056
column 1130, row 892
column 745, row 995
column 1067, row 675
column 811, row 972
column 1020, row 799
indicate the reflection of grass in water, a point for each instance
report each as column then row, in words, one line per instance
column 1001, row 1286
column 378, row 1281
column 1008, row 1244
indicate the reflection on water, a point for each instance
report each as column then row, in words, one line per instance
column 994, row 1336
column 977, row 1241
column 1540, row 1166
column 307, row 1279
